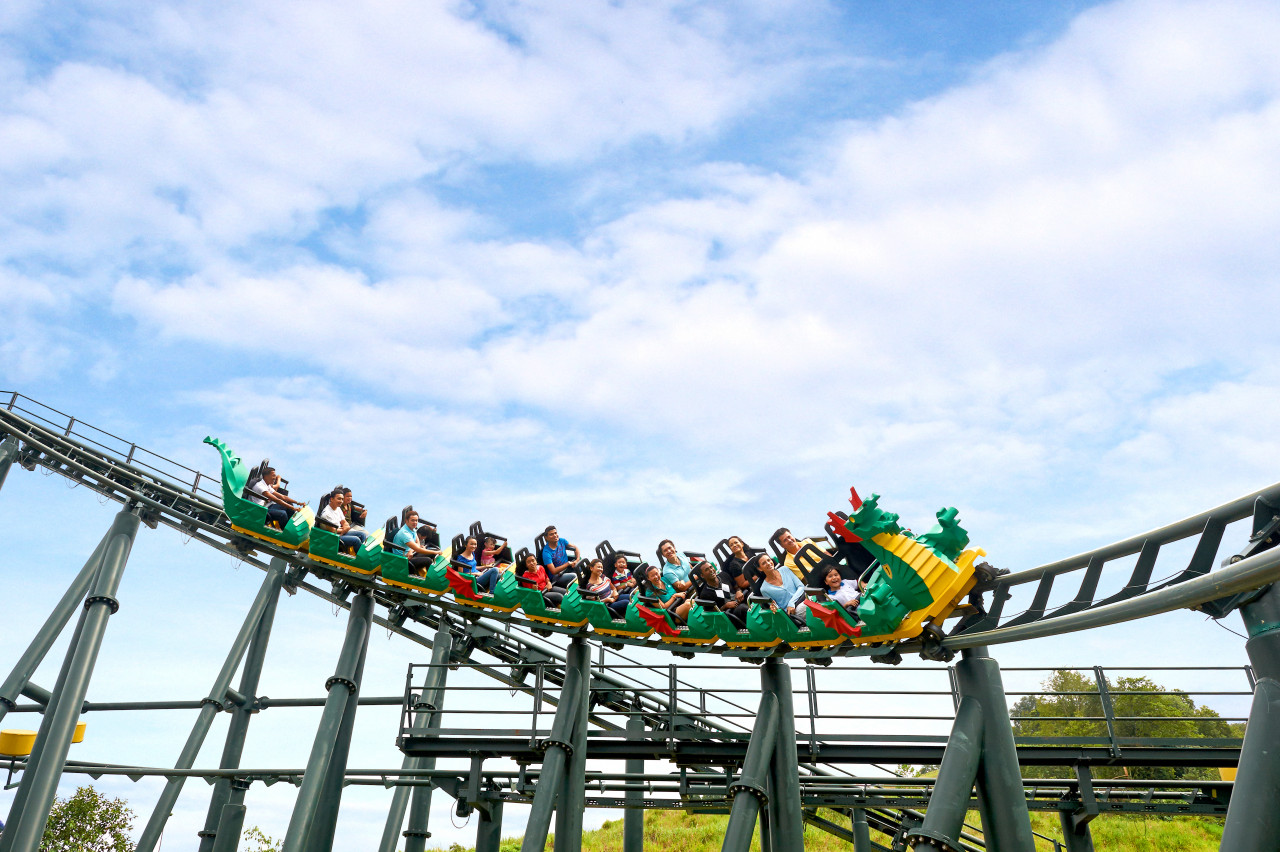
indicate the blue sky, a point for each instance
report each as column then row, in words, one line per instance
column 660, row 269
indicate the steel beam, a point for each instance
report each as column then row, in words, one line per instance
column 30, row 810
column 570, row 799
column 1002, row 801
column 426, row 719
column 321, row 837
column 256, row 628
column 340, row 686
column 18, row 679
column 750, row 789
column 786, row 815
column 1076, row 837
column 557, row 749
column 861, row 831
column 633, row 817
column 1253, row 815
column 489, row 830
column 8, row 452
column 949, row 801
column 230, row 824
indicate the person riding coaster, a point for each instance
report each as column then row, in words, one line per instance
column 412, row 557
column 714, row 593
column 335, row 542
column 410, row 539
column 542, row 598
column 674, row 615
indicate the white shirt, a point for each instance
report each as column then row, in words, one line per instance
column 847, row 593
column 260, row 487
column 333, row 517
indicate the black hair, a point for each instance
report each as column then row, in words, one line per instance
column 549, row 529
column 666, row 541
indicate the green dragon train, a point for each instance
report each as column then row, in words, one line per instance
column 913, row 583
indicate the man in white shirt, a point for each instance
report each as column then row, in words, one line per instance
column 280, row 508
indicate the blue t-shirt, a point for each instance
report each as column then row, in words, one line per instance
column 556, row 556
column 403, row 536
column 469, row 561
column 665, row 593
column 678, row 571
column 788, row 594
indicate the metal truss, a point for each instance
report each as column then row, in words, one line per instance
column 773, row 774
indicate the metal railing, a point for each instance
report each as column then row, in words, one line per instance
column 111, row 445
column 823, row 712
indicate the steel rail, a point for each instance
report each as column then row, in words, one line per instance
column 1232, row 510
column 1251, row 573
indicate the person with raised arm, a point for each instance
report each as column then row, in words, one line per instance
column 280, row 506
column 555, row 558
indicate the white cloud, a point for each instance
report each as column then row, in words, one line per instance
column 989, row 291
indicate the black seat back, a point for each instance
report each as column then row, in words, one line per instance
column 390, row 528
column 779, row 554
column 320, row 506
column 643, row 590
column 853, row 554
column 519, row 568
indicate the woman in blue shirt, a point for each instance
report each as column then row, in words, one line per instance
column 781, row 587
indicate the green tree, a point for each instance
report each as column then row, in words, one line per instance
column 264, row 841
column 1161, row 712
column 88, row 822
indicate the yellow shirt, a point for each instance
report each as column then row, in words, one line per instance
column 789, row 559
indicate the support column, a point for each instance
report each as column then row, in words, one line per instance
column 230, row 824
column 786, row 816
column 8, row 452
column 1253, row 815
column 1002, row 801
column 573, row 784
column 256, row 628
column 557, row 749
column 53, row 626
column 489, row 831
column 340, row 687
column 30, row 810
column 750, row 789
column 326, row 821
column 861, row 831
column 430, row 702
column 949, row 801
column 1076, row 838
column 633, row 817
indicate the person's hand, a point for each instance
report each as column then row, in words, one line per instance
column 791, row 610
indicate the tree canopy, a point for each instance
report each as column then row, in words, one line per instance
column 1074, row 697
column 88, row 822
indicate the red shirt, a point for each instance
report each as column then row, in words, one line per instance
column 539, row 577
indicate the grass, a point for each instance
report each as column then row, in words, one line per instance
column 676, row 831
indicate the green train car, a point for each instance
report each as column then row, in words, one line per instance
column 911, row 583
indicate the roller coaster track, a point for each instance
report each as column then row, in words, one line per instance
column 170, row 494
column 186, row 500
